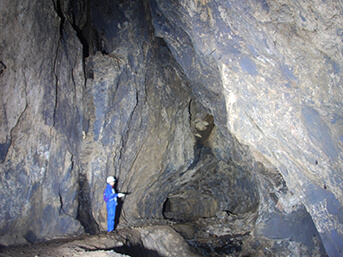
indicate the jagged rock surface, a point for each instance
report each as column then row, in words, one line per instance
column 199, row 108
column 42, row 92
column 277, row 64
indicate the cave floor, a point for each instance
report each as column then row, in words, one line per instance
column 112, row 244
column 219, row 236
column 208, row 236
column 87, row 245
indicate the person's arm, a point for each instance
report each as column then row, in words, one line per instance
column 107, row 195
column 120, row 195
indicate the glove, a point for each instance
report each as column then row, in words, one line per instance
column 120, row 195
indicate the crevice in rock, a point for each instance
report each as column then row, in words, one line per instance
column 167, row 208
column 80, row 33
column 84, row 214
column 58, row 6
column 65, row 17
column 83, row 40
column 125, row 137
column 190, row 111
column 59, row 12
column 61, row 203
column 79, row 15
column 61, row 210
column 2, row 67
column 56, row 86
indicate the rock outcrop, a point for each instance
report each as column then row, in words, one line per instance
column 217, row 110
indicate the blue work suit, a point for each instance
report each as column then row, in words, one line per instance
column 110, row 197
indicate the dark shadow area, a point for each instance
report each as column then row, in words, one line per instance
column 167, row 209
column 218, row 246
column 118, row 208
column 136, row 251
column 30, row 236
column 84, row 213
column 3, row 150
column 2, row 67
column 131, row 247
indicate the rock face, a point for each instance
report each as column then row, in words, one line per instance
column 41, row 94
column 224, row 110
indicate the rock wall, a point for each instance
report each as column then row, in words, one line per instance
column 277, row 64
column 197, row 107
column 42, row 89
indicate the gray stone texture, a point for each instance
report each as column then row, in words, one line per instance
column 199, row 108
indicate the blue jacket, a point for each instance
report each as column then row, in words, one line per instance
column 110, row 195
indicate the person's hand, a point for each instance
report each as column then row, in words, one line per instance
column 120, row 195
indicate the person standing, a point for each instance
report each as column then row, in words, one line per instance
column 110, row 197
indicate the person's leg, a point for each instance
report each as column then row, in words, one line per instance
column 111, row 211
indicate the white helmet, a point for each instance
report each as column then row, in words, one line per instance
column 110, row 179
